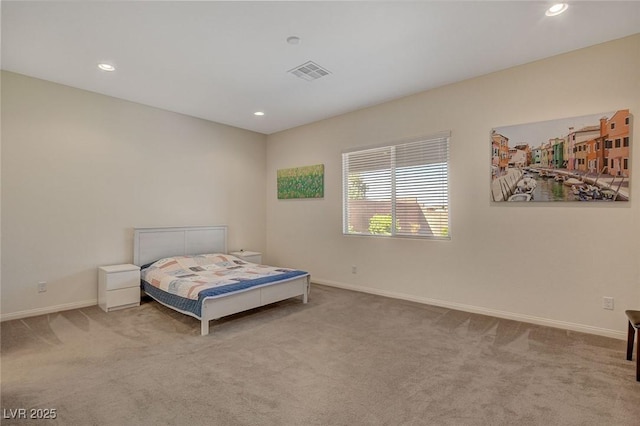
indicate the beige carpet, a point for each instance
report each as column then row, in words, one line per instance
column 346, row 358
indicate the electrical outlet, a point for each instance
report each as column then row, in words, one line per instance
column 607, row 303
column 42, row 286
column 354, row 269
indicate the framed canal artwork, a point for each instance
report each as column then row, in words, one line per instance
column 582, row 159
column 301, row 182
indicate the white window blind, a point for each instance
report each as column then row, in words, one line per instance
column 398, row 190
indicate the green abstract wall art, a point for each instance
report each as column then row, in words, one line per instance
column 301, row 182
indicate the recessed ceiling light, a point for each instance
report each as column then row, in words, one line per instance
column 556, row 9
column 258, row 113
column 106, row 67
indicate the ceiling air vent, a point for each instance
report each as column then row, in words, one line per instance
column 309, row 71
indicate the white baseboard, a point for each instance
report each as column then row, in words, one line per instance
column 480, row 310
column 47, row 310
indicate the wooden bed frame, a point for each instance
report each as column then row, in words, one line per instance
column 151, row 244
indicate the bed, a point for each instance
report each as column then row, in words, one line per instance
column 188, row 269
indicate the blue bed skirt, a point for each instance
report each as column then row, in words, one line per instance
column 194, row 307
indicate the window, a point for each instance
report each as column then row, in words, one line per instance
column 617, row 143
column 613, row 126
column 626, row 163
column 625, row 141
column 399, row 190
column 626, row 121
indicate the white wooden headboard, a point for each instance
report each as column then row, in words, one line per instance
column 151, row 244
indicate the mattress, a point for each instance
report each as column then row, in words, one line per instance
column 184, row 282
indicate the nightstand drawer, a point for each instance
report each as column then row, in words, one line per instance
column 120, row 280
column 119, row 276
column 123, row 298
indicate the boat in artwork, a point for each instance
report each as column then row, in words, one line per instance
column 520, row 197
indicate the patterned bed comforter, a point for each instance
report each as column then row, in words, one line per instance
column 207, row 275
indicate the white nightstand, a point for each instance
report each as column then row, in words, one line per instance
column 118, row 287
column 248, row 256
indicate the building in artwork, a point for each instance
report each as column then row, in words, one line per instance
column 536, row 156
column 598, row 151
column 546, row 155
column 499, row 154
column 569, row 155
column 526, row 150
column 591, row 156
column 557, row 158
column 519, row 158
column 581, row 149
column 577, row 138
column 617, row 143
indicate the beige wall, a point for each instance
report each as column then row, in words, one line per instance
column 81, row 170
column 548, row 264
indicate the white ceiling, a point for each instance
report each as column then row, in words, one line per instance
column 222, row 61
